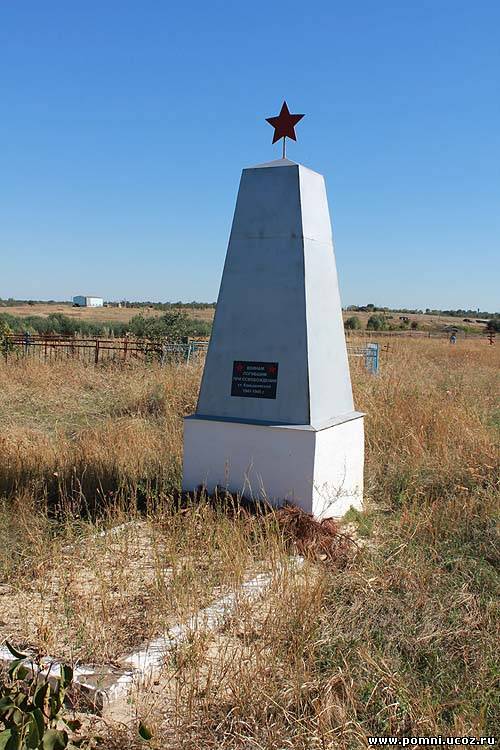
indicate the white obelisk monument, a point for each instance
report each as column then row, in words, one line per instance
column 275, row 417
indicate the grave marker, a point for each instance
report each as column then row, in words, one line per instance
column 275, row 415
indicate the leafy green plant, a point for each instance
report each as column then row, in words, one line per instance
column 376, row 323
column 5, row 343
column 32, row 707
column 174, row 325
column 353, row 323
column 144, row 732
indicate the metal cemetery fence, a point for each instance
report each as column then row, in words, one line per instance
column 369, row 353
column 98, row 350
column 58, row 348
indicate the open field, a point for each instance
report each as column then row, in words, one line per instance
column 396, row 635
column 425, row 322
column 124, row 314
column 101, row 314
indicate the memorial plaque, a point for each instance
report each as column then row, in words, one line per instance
column 254, row 379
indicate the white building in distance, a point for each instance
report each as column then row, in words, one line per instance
column 84, row 301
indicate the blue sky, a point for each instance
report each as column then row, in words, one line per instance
column 125, row 125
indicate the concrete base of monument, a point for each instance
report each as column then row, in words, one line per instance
column 317, row 469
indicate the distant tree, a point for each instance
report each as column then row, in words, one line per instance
column 353, row 323
column 173, row 325
column 62, row 324
column 494, row 325
column 376, row 323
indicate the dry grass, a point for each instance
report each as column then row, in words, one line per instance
column 101, row 314
column 94, row 597
column 72, row 433
column 399, row 638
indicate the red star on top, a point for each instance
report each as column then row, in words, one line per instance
column 284, row 124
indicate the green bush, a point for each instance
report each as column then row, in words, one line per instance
column 352, row 324
column 173, row 325
column 5, row 344
column 376, row 323
column 32, row 709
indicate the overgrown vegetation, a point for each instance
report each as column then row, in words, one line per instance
column 32, row 711
column 174, row 325
column 402, row 639
column 353, row 323
column 460, row 313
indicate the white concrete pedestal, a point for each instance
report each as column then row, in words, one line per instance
column 320, row 470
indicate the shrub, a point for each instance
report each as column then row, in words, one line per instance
column 376, row 323
column 31, row 709
column 5, row 343
column 352, row 324
column 173, row 325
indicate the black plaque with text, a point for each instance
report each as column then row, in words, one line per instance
column 254, row 379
